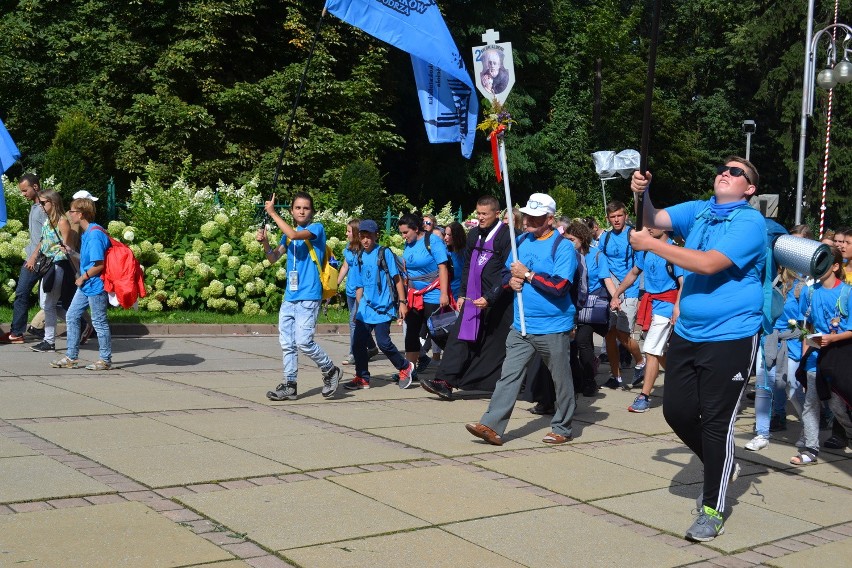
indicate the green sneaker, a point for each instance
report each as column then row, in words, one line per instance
column 707, row 526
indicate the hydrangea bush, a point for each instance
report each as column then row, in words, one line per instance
column 197, row 247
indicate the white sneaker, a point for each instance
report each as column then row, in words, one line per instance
column 757, row 443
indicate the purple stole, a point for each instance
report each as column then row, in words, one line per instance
column 471, row 316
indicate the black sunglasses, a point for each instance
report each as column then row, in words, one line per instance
column 736, row 171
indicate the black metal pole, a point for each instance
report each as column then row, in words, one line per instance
column 646, row 116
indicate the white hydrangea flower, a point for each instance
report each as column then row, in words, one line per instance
column 244, row 273
column 226, row 249
column 129, row 236
column 209, row 229
column 198, row 245
column 233, row 262
column 221, row 219
column 230, row 290
column 217, row 288
column 192, row 259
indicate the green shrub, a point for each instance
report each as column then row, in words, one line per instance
column 76, row 156
column 361, row 186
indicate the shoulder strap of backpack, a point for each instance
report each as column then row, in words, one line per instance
column 843, row 300
column 313, row 254
column 606, row 240
column 428, row 241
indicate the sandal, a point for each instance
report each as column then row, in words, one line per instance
column 804, row 457
column 554, row 438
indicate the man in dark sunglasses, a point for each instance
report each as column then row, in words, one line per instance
column 715, row 338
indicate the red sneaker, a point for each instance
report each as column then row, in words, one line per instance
column 11, row 338
column 357, row 384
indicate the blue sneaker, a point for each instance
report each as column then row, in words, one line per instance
column 641, row 404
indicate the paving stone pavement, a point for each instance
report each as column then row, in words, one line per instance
column 176, row 458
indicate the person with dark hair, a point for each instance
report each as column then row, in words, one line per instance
column 90, row 292
column 580, row 234
column 456, row 238
column 375, row 276
column 426, row 260
column 592, row 224
column 715, row 338
column 58, row 282
column 350, row 255
column 476, row 347
column 542, row 274
column 30, row 188
column 297, row 319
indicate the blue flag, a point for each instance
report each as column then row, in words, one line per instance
column 9, row 154
column 445, row 89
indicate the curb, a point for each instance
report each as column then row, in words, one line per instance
column 208, row 329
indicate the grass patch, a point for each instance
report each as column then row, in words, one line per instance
column 333, row 314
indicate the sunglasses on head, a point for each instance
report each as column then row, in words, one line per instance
column 735, row 171
column 44, row 202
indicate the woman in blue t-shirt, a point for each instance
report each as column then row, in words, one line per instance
column 351, row 254
column 297, row 319
column 456, row 240
column 428, row 279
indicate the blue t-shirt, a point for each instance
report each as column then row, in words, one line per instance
column 620, row 257
column 422, row 267
column 658, row 279
column 597, row 268
column 543, row 313
column 457, row 258
column 376, row 305
column 299, row 259
column 791, row 312
column 726, row 305
column 93, row 246
column 351, row 259
column 825, row 305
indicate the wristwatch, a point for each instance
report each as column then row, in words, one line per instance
column 527, row 275
column 404, row 302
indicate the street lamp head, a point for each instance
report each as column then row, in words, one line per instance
column 843, row 71
column 826, row 79
column 749, row 127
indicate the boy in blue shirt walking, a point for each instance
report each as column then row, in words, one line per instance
column 373, row 278
column 715, row 338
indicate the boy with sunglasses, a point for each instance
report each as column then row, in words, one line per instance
column 715, row 338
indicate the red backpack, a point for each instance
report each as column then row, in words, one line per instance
column 122, row 274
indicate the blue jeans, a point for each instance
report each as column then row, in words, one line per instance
column 297, row 323
column 770, row 393
column 98, row 305
column 26, row 280
column 350, row 303
column 363, row 338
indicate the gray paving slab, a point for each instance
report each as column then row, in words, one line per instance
column 300, row 514
column 831, row 555
column 443, row 494
column 181, row 464
column 671, row 510
column 124, row 432
column 431, row 547
column 564, row 536
column 837, row 472
column 240, row 423
column 124, row 535
column 27, row 478
column 325, row 450
column 448, row 439
column 9, row 449
column 31, row 399
column 366, row 414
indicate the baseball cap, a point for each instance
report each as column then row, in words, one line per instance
column 539, row 204
column 368, row 225
column 83, row 194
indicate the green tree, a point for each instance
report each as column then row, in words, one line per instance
column 361, row 185
column 76, row 157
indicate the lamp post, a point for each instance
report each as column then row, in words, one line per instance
column 835, row 72
column 749, row 127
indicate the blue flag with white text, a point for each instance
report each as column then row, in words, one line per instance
column 9, row 154
column 444, row 87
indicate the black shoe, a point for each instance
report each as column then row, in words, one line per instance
column 36, row 332
column 437, row 387
column 612, row 383
column 835, row 443
column 777, row 423
column 43, row 347
column 750, row 395
column 284, row 391
column 541, row 409
column 423, row 363
column 590, row 390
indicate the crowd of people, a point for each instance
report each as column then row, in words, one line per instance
column 517, row 318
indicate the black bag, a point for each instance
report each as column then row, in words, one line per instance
column 596, row 308
column 43, row 264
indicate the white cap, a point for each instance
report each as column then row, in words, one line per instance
column 539, row 204
column 83, row 194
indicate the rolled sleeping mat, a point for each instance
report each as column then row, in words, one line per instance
column 805, row 256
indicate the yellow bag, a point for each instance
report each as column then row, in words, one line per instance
column 327, row 273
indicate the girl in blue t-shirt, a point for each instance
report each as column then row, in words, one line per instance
column 351, row 254
column 456, row 240
column 428, row 279
column 297, row 319
column 826, row 307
